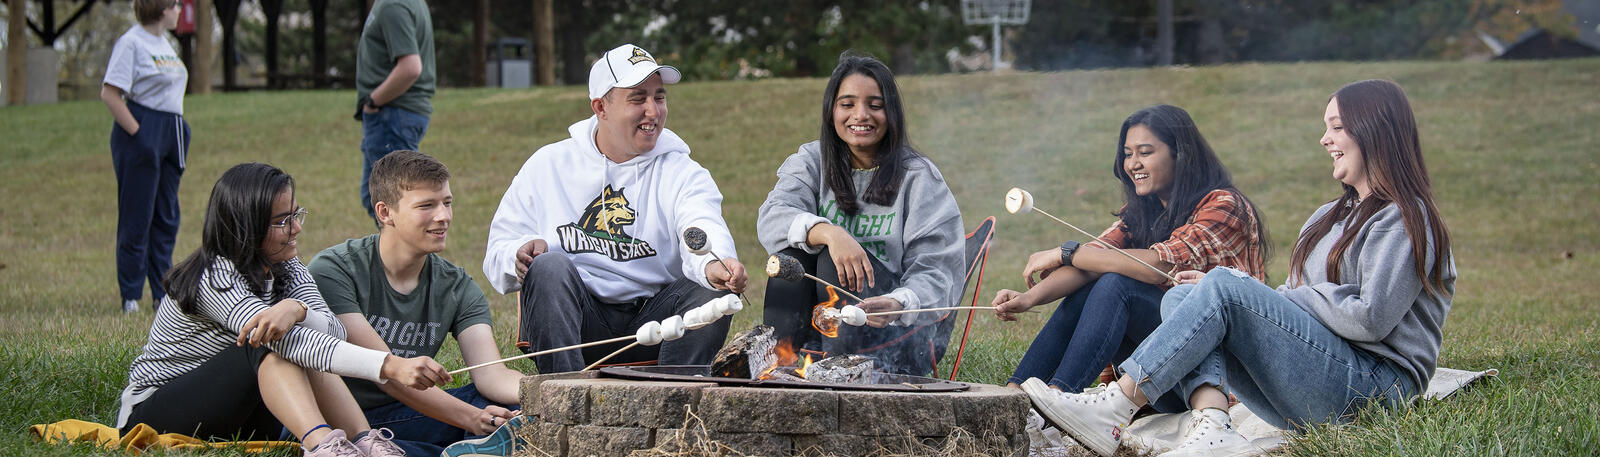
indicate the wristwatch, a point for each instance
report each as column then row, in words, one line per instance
column 1067, row 250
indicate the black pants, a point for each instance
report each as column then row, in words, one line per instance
column 897, row 349
column 557, row 311
column 221, row 399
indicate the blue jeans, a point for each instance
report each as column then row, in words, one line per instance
column 1100, row 323
column 383, row 132
column 1274, row 355
column 422, row 435
column 148, row 167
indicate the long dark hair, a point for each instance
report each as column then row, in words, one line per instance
column 236, row 223
column 1196, row 171
column 1377, row 115
column 893, row 151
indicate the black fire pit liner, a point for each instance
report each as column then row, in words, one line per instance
column 887, row 382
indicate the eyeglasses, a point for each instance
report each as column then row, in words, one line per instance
column 299, row 218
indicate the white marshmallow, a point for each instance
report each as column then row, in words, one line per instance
column 719, row 305
column 649, row 334
column 853, row 315
column 1018, row 201
column 695, row 316
column 672, row 328
column 734, row 304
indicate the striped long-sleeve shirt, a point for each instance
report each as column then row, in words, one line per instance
column 1220, row 232
column 180, row 342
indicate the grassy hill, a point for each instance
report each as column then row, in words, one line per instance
column 1512, row 148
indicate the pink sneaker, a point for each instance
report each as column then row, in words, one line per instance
column 336, row 444
column 379, row 442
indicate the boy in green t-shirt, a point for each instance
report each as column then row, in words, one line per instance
column 393, row 292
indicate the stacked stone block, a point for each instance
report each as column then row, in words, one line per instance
column 581, row 414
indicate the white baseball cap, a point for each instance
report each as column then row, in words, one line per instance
column 626, row 66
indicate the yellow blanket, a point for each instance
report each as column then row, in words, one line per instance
column 140, row 438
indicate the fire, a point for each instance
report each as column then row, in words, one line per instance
column 788, row 356
column 802, row 370
column 827, row 327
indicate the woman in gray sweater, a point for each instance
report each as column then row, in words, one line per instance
column 1359, row 321
column 863, row 209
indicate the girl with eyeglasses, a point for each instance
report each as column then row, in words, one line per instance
column 245, row 347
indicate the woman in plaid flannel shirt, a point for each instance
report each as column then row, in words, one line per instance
column 1180, row 212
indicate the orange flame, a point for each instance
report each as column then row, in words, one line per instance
column 786, row 357
column 827, row 327
column 802, row 370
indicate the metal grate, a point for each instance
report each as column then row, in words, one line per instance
column 886, row 382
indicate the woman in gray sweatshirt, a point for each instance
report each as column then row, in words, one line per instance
column 1359, row 321
column 862, row 209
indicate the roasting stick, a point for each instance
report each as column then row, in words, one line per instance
column 614, row 354
column 855, row 316
column 695, row 239
column 1019, row 201
column 544, row 352
column 926, row 310
column 784, row 266
column 631, row 346
column 651, row 333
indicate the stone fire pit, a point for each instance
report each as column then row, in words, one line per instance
column 582, row 414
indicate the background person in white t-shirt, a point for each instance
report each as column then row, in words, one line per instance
column 143, row 88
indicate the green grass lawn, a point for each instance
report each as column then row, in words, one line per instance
column 1514, row 150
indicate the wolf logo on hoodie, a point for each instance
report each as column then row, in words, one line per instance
column 599, row 230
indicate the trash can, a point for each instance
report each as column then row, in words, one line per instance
column 508, row 64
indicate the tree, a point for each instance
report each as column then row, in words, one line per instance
column 732, row 39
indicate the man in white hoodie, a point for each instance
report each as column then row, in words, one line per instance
column 590, row 230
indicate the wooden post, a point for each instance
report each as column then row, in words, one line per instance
column 544, row 41
column 204, row 49
column 273, row 9
column 17, row 53
column 228, row 12
column 480, row 42
column 1164, row 39
column 319, row 43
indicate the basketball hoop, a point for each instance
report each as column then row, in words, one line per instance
column 995, row 13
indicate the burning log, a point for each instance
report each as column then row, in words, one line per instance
column 748, row 356
column 843, row 369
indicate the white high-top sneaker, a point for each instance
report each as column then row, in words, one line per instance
column 1095, row 417
column 1211, row 434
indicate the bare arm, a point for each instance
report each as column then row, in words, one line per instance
column 849, row 259
column 1055, row 285
column 112, row 96
column 432, row 402
column 406, row 71
column 498, row 383
column 1101, row 260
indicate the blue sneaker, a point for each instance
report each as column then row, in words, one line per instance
column 502, row 442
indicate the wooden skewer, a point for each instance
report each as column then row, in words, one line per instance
column 614, row 354
column 1108, row 245
column 636, row 343
column 729, row 270
column 926, row 310
column 546, row 351
column 840, row 289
